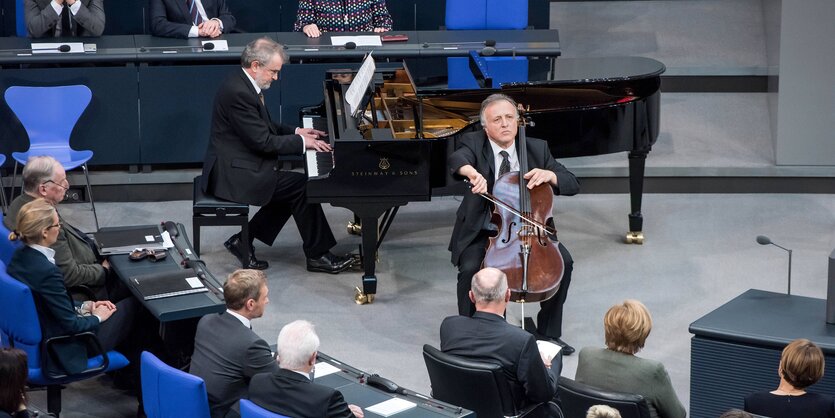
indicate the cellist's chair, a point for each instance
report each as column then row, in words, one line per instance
column 478, row 386
column 19, row 324
column 49, row 114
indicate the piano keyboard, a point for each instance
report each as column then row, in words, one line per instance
column 318, row 164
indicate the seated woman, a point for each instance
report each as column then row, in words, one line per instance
column 317, row 16
column 13, row 374
column 801, row 366
column 617, row 368
column 34, row 265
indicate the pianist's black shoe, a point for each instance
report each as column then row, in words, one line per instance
column 233, row 244
column 329, row 263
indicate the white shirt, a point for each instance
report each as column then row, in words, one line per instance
column 497, row 159
column 244, row 320
column 258, row 91
column 60, row 7
column 49, row 253
column 192, row 33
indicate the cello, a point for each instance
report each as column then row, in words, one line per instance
column 526, row 247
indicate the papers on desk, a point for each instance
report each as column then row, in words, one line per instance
column 548, row 349
column 324, row 369
column 362, row 40
column 391, row 407
column 53, row 47
column 125, row 240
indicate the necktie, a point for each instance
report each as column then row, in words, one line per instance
column 261, row 97
column 505, row 167
column 192, row 9
column 66, row 23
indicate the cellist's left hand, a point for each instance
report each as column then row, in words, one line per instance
column 539, row 176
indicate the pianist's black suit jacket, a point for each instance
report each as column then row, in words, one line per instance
column 171, row 18
column 241, row 163
column 288, row 393
column 474, row 212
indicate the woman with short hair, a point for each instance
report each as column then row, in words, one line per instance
column 801, row 366
column 616, row 367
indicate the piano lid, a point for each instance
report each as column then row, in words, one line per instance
column 434, row 77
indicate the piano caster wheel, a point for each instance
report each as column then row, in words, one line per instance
column 633, row 237
column 362, row 298
column 354, row 228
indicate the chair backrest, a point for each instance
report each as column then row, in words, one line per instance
column 251, row 410
column 486, row 14
column 477, row 386
column 48, row 113
column 168, row 392
column 577, row 398
column 7, row 247
column 19, row 319
column 20, row 19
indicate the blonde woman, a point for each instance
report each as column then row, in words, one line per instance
column 616, row 367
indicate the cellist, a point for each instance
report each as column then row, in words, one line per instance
column 482, row 157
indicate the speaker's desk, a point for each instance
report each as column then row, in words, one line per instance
column 735, row 350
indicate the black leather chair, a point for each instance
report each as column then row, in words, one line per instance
column 577, row 398
column 477, row 386
column 208, row 210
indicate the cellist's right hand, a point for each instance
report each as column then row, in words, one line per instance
column 478, row 184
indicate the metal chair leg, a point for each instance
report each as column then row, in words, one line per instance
column 3, row 195
column 90, row 193
column 14, row 177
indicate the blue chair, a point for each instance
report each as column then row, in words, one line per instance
column 51, row 135
column 171, row 393
column 7, row 247
column 251, row 410
column 20, row 19
column 19, row 323
column 486, row 14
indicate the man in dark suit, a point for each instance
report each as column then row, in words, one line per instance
column 289, row 390
column 487, row 337
column 227, row 353
column 241, row 163
column 190, row 18
column 52, row 18
column 44, row 177
column 481, row 158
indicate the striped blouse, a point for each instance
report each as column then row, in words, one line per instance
column 343, row 15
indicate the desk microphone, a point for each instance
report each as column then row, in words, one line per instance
column 347, row 45
column 488, row 50
column 764, row 240
column 208, row 46
column 60, row 48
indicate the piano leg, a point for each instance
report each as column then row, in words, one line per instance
column 637, row 162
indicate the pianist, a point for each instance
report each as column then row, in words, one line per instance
column 481, row 158
column 241, row 162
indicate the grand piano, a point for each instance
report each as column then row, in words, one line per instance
column 395, row 150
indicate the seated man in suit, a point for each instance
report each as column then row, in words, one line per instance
column 487, row 337
column 227, row 353
column 289, row 390
column 53, row 18
column 190, row 18
column 75, row 253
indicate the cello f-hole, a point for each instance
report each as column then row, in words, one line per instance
column 506, row 239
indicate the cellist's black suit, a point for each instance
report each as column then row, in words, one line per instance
column 469, row 236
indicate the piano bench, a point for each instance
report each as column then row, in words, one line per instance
column 208, row 210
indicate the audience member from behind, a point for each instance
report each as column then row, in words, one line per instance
column 64, row 18
column 13, row 374
column 34, row 265
column 317, row 16
column 617, row 368
column 487, row 337
column 227, row 353
column 602, row 411
column 801, row 366
column 44, row 177
column 190, row 18
column 289, row 390
column 736, row 413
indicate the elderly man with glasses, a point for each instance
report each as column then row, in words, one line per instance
column 75, row 253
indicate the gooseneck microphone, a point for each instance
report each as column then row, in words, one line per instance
column 764, row 240
column 347, row 45
column 60, row 48
column 208, row 46
column 488, row 50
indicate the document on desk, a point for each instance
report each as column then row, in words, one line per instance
column 391, row 407
column 125, row 239
column 324, row 369
column 362, row 40
column 167, row 284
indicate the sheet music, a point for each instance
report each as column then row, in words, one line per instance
column 360, row 84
